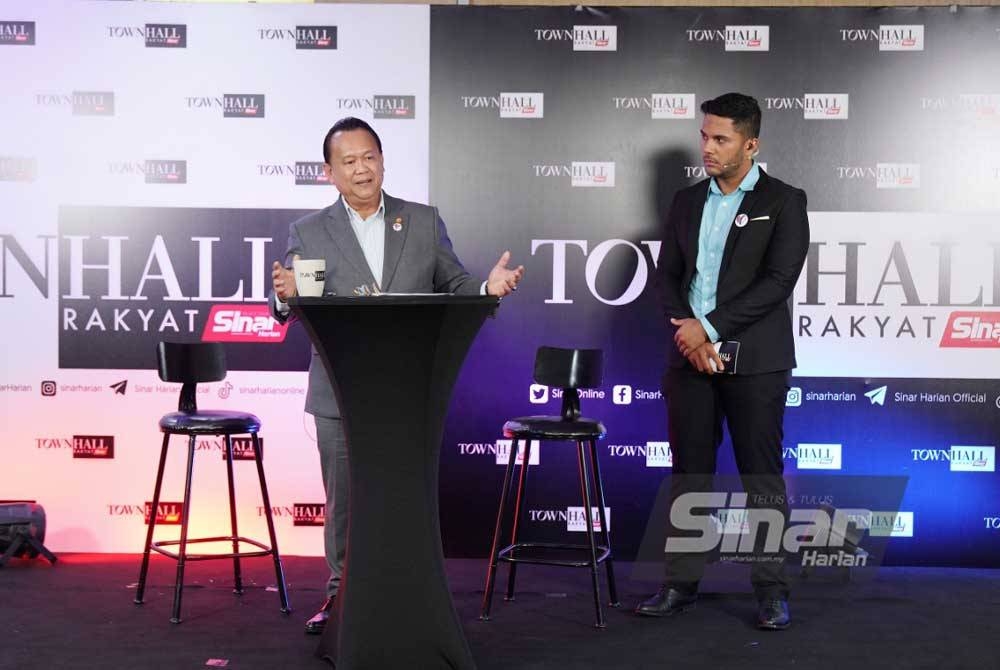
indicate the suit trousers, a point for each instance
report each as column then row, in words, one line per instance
column 753, row 408
column 332, row 446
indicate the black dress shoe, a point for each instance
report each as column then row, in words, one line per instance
column 666, row 602
column 772, row 614
column 316, row 625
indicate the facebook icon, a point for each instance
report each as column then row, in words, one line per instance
column 622, row 394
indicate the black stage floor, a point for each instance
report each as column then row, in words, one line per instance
column 79, row 614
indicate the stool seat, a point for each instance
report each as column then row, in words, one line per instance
column 569, row 370
column 554, row 428
column 190, row 363
column 210, row 421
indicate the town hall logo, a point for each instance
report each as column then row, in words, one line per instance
column 243, row 106
column 659, row 105
column 153, row 35
column 584, row 38
column 734, row 38
column 233, row 105
column 381, row 106
column 93, row 446
column 166, row 35
column 581, row 174
column 18, row 168
column 888, row 37
column 83, row 103
column 17, row 33
column 305, row 37
column 817, row 106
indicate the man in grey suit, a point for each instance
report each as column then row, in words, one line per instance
column 372, row 243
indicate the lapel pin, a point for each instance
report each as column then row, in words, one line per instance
column 741, row 220
column 397, row 225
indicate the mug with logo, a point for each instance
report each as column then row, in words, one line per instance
column 310, row 277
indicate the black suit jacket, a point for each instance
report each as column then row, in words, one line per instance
column 760, row 266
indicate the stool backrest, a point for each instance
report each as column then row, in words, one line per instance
column 190, row 363
column 569, row 369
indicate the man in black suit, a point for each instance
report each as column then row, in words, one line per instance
column 734, row 246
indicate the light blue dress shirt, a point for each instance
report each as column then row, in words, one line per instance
column 716, row 221
column 371, row 236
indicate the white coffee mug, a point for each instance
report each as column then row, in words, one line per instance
column 310, row 277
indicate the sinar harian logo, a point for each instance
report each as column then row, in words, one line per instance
column 977, row 330
column 720, row 520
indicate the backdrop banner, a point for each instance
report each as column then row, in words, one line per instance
column 152, row 156
column 562, row 134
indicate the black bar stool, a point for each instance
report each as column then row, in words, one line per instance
column 569, row 369
column 190, row 364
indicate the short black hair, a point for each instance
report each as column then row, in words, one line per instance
column 345, row 124
column 742, row 109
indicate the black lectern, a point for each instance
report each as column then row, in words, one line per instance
column 394, row 361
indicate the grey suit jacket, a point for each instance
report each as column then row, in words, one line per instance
column 418, row 259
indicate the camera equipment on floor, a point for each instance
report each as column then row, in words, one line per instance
column 22, row 531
